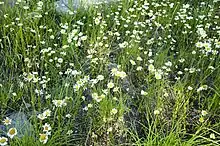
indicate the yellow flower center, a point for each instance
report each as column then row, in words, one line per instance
column 43, row 137
column 12, row 131
column 2, row 140
column 59, row 102
column 7, row 121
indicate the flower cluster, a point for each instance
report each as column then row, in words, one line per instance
column 12, row 132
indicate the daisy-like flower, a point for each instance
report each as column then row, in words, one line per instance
column 139, row 58
column 100, row 77
column 12, row 132
column 122, row 74
column 204, row 113
column 30, row 77
column 46, row 127
column 47, row 113
column 114, row 71
column 59, row 103
column 201, row 119
column 156, row 112
column 41, row 116
column 105, row 91
column 97, row 21
column 212, row 136
column 60, row 60
column 114, row 111
column 43, row 138
column 139, row 68
column 190, row 88
column 110, row 85
column 132, row 62
column 7, row 121
column 151, row 68
column 199, row 44
column 3, row 141
column 143, row 92
column 116, row 89
column 95, row 96
column 90, row 105
column 98, row 98
column 68, row 116
column 84, row 38
column 158, row 75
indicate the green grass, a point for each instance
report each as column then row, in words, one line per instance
column 166, row 90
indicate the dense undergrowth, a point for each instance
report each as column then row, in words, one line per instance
column 138, row 72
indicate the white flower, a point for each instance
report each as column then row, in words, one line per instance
column 43, row 138
column 204, row 113
column 132, row 62
column 115, row 89
column 139, row 68
column 14, row 94
column 3, row 141
column 7, row 121
column 12, row 132
column 199, row 44
column 151, row 68
column 189, row 88
column 47, row 113
column 90, row 105
column 114, row 71
column 182, row 60
column 96, row 97
column 156, row 112
column 203, row 87
column 212, row 136
column 120, row 74
column 110, row 85
column 48, row 96
column 68, row 115
column 41, row 116
column 59, row 103
column 85, row 108
column 60, row 60
column 114, row 111
column 105, row 91
column 139, row 59
column 100, row 77
column 109, row 129
column 166, row 94
column 115, row 98
column 193, row 52
column 158, row 75
column 83, row 38
column 52, row 37
column 97, row 21
column 46, row 127
column 201, row 32
column 40, row 3
column 168, row 63
column 143, row 92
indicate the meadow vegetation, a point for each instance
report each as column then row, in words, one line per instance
column 129, row 72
